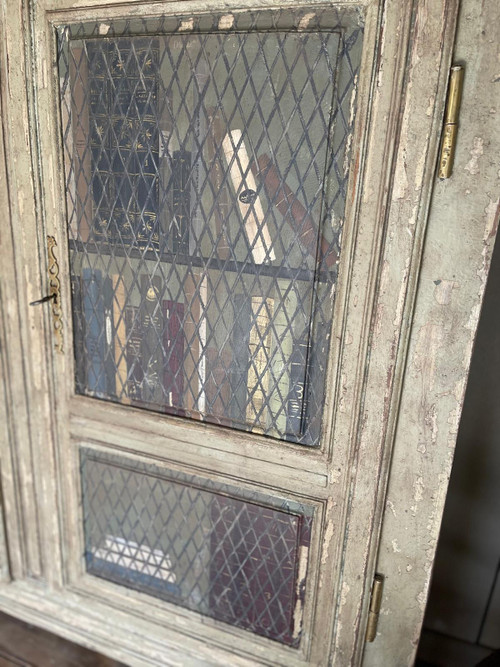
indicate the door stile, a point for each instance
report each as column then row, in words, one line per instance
column 431, row 33
column 25, row 463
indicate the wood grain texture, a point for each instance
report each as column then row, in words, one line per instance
column 460, row 236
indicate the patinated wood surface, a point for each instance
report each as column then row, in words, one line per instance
column 461, row 232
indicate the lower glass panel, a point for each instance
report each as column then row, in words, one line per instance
column 235, row 556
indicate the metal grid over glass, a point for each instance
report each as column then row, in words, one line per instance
column 235, row 556
column 206, row 171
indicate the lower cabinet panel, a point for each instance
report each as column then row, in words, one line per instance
column 235, row 556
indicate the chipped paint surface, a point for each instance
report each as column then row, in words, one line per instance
column 226, row 22
column 476, row 152
column 305, row 20
column 188, row 24
column 460, row 235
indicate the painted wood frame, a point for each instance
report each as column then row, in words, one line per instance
column 407, row 53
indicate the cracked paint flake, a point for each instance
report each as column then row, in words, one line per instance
column 226, row 22
column 305, row 20
column 188, row 24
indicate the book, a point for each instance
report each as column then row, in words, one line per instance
column 120, row 338
column 249, row 203
column 281, row 353
column 151, row 322
column 218, row 385
column 259, row 347
column 240, row 360
column 78, row 333
column 256, row 553
column 133, row 355
column 109, row 337
column 220, row 190
column 80, row 155
column 198, row 132
column 283, row 198
column 123, row 84
column 296, row 400
column 173, row 346
column 179, row 228
column 94, row 334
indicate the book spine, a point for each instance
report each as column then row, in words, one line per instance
column 198, row 127
column 286, row 307
column 78, row 333
column 135, row 373
column 151, row 316
column 257, row 592
column 259, row 345
column 292, row 210
column 81, row 206
column 120, row 338
column 219, row 385
column 94, row 337
column 109, row 337
column 101, row 179
column 249, row 203
column 240, row 361
column 144, row 98
column 181, row 164
column 222, row 203
column 296, row 401
column 191, row 330
column 173, row 345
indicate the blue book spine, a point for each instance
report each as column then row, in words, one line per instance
column 296, row 401
column 94, row 332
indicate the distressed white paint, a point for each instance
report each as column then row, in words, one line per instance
column 406, row 56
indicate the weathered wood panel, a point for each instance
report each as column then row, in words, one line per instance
column 458, row 246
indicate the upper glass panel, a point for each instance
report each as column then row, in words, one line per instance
column 206, row 167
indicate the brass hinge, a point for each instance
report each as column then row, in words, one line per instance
column 450, row 128
column 375, row 604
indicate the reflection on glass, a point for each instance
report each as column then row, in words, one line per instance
column 202, row 176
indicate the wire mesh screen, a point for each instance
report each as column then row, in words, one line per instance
column 206, row 171
column 176, row 537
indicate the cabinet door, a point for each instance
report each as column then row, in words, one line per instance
column 233, row 243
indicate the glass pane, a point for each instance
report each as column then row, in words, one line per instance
column 206, row 177
column 195, row 544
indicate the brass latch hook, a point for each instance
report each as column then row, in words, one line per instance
column 54, row 296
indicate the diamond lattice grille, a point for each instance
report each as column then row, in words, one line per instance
column 206, row 178
column 167, row 535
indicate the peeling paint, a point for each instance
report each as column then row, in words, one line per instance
column 443, row 291
column 477, row 151
column 301, row 578
column 226, row 22
column 305, row 20
column 326, row 541
column 395, row 547
column 104, row 28
column 188, row 24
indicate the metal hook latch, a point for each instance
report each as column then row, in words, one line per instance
column 43, row 300
column 55, row 295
